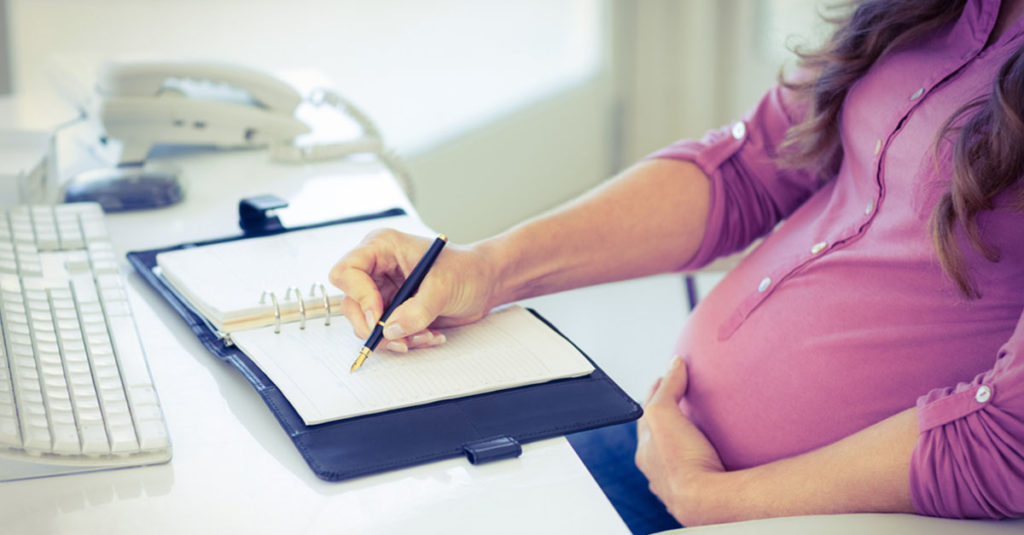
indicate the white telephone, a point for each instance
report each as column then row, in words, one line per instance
column 142, row 104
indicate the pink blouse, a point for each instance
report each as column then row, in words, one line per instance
column 842, row 317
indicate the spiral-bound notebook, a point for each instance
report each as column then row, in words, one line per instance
column 263, row 305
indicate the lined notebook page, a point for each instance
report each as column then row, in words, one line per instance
column 224, row 281
column 508, row 348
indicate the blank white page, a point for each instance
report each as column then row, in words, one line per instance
column 507, row 348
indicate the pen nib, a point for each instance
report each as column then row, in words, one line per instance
column 365, row 352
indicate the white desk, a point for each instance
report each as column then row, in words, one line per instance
column 234, row 470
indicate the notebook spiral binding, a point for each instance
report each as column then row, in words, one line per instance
column 327, row 302
column 302, row 306
column 301, row 302
column 277, row 309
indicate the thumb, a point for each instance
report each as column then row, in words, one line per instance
column 673, row 384
column 651, row 392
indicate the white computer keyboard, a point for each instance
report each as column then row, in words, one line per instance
column 75, row 389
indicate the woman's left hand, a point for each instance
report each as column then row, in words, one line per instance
column 678, row 460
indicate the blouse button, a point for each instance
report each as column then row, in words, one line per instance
column 869, row 207
column 917, row 94
column 878, row 146
column 739, row 130
column 765, row 283
column 983, row 394
column 819, row 247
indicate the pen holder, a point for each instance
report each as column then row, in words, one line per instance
column 255, row 214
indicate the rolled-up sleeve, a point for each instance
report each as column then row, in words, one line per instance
column 750, row 193
column 969, row 458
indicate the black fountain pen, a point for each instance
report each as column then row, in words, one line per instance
column 409, row 287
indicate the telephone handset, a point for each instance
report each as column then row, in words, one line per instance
column 142, row 104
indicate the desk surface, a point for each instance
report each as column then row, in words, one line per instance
column 234, row 470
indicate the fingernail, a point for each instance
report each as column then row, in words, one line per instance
column 439, row 339
column 675, row 361
column 371, row 319
column 397, row 347
column 393, row 330
column 421, row 339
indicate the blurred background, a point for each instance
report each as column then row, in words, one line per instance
column 502, row 108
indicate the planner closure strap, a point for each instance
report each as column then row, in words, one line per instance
column 492, row 449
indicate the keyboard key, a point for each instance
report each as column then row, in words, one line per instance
column 94, row 438
column 146, row 412
column 62, row 416
column 152, row 435
column 33, row 412
column 122, row 438
column 22, row 233
column 117, row 307
column 88, row 408
column 25, row 375
column 129, row 351
column 84, row 290
column 18, row 329
column 77, row 263
column 70, row 233
column 47, row 240
column 10, row 435
column 74, row 354
column 80, row 373
column 108, row 282
column 65, row 438
column 30, row 268
column 110, row 391
column 11, row 288
column 36, row 436
column 142, row 395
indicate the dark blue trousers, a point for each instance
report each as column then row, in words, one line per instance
column 608, row 453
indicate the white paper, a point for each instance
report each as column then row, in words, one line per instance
column 507, row 348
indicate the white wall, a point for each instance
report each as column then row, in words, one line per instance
column 5, row 67
column 493, row 177
column 669, row 69
column 690, row 65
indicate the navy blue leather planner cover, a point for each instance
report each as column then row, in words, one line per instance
column 482, row 427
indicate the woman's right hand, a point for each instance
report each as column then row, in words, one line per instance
column 460, row 288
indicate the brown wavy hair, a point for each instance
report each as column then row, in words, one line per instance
column 987, row 134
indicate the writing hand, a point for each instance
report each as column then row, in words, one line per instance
column 457, row 290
